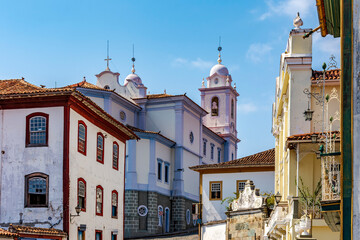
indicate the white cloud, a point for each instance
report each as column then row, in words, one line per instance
column 258, row 51
column 247, row 107
column 287, row 7
column 201, row 64
column 198, row 63
column 179, row 62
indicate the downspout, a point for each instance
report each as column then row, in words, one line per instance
column 297, row 168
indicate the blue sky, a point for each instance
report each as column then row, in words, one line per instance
column 59, row 42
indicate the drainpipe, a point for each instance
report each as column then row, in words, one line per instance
column 297, row 168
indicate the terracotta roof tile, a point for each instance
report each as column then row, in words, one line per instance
column 333, row 74
column 36, row 230
column 4, row 233
column 307, row 136
column 16, row 85
column 85, row 84
column 261, row 159
column 161, row 95
column 22, row 91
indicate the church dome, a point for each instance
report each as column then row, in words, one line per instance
column 219, row 69
column 133, row 77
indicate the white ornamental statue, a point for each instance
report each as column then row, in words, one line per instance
column 249, row 198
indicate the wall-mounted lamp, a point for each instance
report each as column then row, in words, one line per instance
column 78, row 210
column 278, row 197
column 308, row 113
column 314, row 138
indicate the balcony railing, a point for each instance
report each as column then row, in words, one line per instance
column 330, row 171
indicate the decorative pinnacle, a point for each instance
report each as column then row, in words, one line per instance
column 133, row 60
column 203, row 83
column 297, row 21
column 219, row 49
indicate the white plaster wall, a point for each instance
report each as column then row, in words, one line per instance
column 207, row 158
column 99, row 101
column 166, row 154
column 142, row 160
column 109, row 79
column 95, row 174
column 298, row 102
column 215, row 121
column 18, row 161
column 214, row 232
column 191, row 124
column 214, row 210
column 161, row 120
column 115, row 112
column 191, row 178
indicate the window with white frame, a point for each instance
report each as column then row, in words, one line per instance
column 215, row 190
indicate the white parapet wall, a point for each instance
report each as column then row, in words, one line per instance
column 216, row 231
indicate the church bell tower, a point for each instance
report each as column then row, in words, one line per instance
column 219, row 99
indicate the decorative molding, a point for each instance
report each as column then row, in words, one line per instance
column 249, row 198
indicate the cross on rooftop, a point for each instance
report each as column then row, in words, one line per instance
column 107, row 59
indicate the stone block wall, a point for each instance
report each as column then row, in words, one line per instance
column 131, row 216
column 245, row 225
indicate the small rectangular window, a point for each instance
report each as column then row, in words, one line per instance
column 219, row 155
column 113, row 236
column 82, row 194
column 114, row 204
column 98, row 235
column 215, row 190
column 115, row 156
column 212, row 151
column 100, row 148
column 36, row 190
column 166, row 176
column 37, row 128
column 204, row 146
column 81, row 235
column 159, row 168
column 99, row 200
column 82, row 137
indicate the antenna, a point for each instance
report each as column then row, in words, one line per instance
column 107, row 59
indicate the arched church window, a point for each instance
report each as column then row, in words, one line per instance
column 232, row 108
column 215, row 106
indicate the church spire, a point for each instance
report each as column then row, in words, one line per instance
column 107, row 59
column 133, row 60
column 219, row 49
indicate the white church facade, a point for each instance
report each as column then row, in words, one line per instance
column 175, row 133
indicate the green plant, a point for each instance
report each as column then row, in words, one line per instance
column 229, row 200
column 269, row 199
column 311, row 200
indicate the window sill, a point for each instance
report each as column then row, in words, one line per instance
column 114, row 217
column 100, row 161
column 99, row 214
column 36, row 206
column 36, row 145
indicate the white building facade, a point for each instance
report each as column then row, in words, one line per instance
column 175, row 134
column 59, row 152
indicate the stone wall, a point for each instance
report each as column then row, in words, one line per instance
column 245, row 225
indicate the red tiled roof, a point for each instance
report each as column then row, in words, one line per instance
column 36, row 230
column 261, row 159
column 161, row 95
column 23, row 91
column 4, row 233
column 85, row 84
column 329, row 75
column 307, row 136
column 16, row 85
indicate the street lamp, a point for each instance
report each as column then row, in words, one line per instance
column 278, row 198
column 314, row 138
column 308, row 113
column 77, row 210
